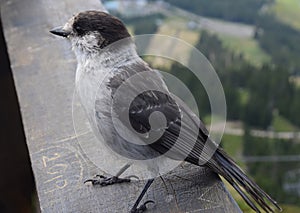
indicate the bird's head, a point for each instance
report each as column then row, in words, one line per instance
column 91, row 31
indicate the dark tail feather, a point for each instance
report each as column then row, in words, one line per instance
column 226, row 167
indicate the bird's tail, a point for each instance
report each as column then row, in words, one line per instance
column 249, row 190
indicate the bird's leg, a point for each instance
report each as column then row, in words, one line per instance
column 105, row 181
column 143, row 207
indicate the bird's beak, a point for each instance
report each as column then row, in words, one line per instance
column 60, row 31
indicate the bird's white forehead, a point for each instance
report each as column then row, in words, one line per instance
column 69, row 24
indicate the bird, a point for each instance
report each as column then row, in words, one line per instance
column 102, row 71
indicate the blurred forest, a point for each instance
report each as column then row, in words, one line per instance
column 238, row 11
column 259, row 74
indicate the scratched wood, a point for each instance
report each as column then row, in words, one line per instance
column 44, row 70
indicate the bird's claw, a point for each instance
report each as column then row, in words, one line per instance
column 105, row 181
column 142, row 207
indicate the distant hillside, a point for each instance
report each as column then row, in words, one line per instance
column 244, row 11
column 287, row 11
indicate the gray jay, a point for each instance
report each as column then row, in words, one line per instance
column 100, row 62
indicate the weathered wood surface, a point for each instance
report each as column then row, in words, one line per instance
column 44, row 70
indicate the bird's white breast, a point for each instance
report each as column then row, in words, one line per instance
column 94, row 71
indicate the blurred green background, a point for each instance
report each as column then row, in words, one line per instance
column 254, row 46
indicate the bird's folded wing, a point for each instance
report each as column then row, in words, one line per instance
column 183, row 134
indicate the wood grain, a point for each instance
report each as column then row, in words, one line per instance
column 44, row 71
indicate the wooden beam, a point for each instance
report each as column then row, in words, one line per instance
column 44, row 71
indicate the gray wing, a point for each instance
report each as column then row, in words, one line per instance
column 183, row 135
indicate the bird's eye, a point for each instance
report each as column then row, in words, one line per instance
column 78, row 29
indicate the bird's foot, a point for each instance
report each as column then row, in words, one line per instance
column 142, row 207
column 105, row 181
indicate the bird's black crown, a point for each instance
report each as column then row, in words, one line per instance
column 110, row 27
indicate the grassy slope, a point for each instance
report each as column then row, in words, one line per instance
column 281, row 124
column 288, row 11
column 175, row 27
column 233, row 145
column 248, row 47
